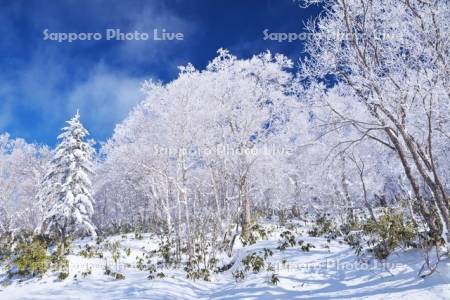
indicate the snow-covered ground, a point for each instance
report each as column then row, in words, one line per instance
column 329, row 271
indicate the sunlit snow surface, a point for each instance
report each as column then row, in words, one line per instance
column 321, row 273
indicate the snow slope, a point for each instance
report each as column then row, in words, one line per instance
column 329, row 271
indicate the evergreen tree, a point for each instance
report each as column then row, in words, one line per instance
column 69, row 199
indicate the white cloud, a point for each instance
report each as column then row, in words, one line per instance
column 104, row 98
column 51, row 84
column 159, row 17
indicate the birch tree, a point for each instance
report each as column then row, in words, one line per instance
column 393, row 57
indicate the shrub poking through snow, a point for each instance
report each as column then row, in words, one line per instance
column 59, row 262
column 256, row 263
column 166, row 250
column 151, row 270
column 63, row 276
column 288, row 240
column 118, row 276
column 355, row 240
column 86, row 273
column 6, row 242
column 389, row 232
column 267, row 253
column 90, row 252
column 274, row 279
column 239, row 275
column 138, row 235
column 198, row 267
column 253, row 262
column 115, row 275
column 31, row 258
column 324, row 227
column 195, row 274
column 305, row 247
column 140, row 264
column 255, row 233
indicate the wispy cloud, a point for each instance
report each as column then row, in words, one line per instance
column 146, row 20
column 42, row 83
column 104, row 98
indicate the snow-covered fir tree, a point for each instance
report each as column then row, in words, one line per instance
column 69, row 200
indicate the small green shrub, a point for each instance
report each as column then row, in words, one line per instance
column 32, row 258
column 348, row 227
column 60, row 262
column 118, row 276
column 152, row 270
column 6, row 243
column 282, row 217
column 115, row 252
column 140, row 264
column 267, row 253
column 238, row 275
column 107, row 271
column 274, row 279
column 86, row 273
column 324, row 227
column 115, row 275
column 305, row 247
column 390, row 231
column 255, row 233
column 62, row 276
column 288, row 240
column 90, row 251
column 138, row 235
column 355, row 240
column 253, row 262
column 165, row 250
column 195, row 272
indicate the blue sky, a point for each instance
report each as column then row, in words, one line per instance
column 43, row 82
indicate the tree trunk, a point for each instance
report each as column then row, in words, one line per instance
column 424, row 209
column 245, row 208
column 62, row 249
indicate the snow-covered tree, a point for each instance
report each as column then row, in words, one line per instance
column 392, row 56
column 189, row 154
column 22, row 166
column 70, row 204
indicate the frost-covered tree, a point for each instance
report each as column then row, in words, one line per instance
column 391, row 58
column 190, row 153
column 22, row 166
column 70, row 204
